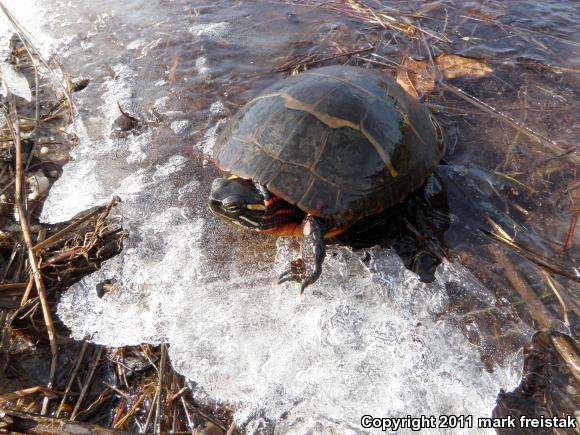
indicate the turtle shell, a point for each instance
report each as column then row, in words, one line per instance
column 338, row 142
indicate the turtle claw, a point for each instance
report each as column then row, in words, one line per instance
column 296, row 271
column 307, row 269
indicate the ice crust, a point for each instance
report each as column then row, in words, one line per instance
column 368, row 338
column 364, row 342
column 13, row 82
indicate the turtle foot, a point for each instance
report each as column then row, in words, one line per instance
column 307, row 269
column 298, row 271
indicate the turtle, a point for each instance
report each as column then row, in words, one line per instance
column 319, row 150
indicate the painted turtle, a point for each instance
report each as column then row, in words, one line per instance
column 319, row 150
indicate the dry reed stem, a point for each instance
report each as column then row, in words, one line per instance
column 24, row 422
column 187, row 415
column 13, row 285
column 19, row 200
column 87, row 385
column 536, row 308
column 160, row 386
column 72, row 377
column 151, row 411
column 15, row 395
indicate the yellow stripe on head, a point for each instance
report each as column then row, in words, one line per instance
column 260, row 207
column 251, row 222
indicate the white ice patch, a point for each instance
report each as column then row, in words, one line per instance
column 13, row 82
column 210, row 137
column 210, row 30
column 180, row 126
column 201, row 66
column 216, row 108
column 358, row 343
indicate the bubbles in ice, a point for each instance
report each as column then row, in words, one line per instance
column 179, row 126
column 210, row 30
column 202, row 66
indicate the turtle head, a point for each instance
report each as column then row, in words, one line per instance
column 242, row 202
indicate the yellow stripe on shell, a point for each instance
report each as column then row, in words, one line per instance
column 334, row 122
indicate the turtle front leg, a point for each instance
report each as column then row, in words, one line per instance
column 308, row 268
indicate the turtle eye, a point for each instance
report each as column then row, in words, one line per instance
column 233, row 207
column 232, row 204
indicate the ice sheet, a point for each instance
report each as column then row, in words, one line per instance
column 362, row 343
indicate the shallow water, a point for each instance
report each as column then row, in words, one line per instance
column 370, row 337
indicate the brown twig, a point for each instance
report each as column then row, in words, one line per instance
column 87, row 385
column 538, row 311
column 73, row 376
column 19, row 199
column 23, row 422
column 160, row 386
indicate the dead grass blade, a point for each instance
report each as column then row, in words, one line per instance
column 538, row 311
column 549, row 144
column 386, row 18
column 19, row 199
column 72, row 377
column 87, row 385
